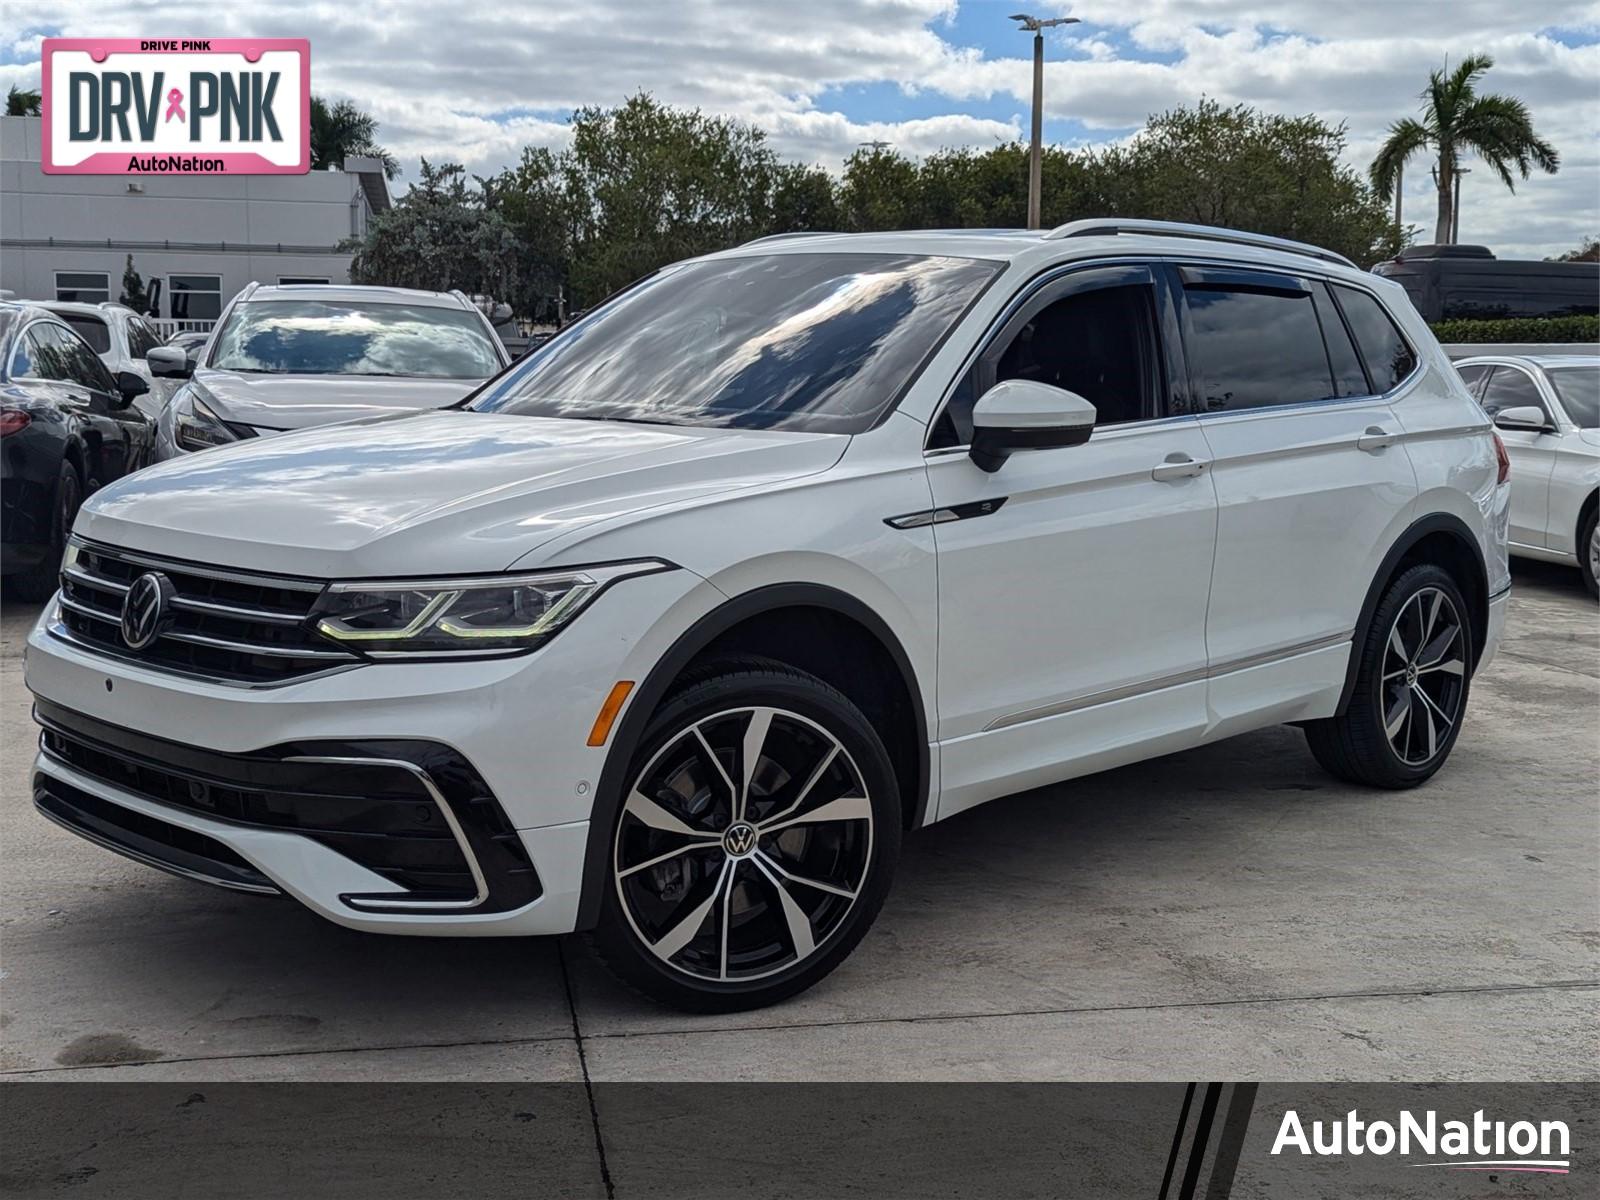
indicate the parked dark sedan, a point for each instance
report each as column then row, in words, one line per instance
column 67, row 425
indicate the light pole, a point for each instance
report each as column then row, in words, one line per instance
column 1036, row 26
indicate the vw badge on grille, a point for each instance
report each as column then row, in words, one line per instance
column 144, row 609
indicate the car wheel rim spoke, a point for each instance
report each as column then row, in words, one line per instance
column 744, row 843
column 1422, row 677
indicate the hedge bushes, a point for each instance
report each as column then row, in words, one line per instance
column 1520, row 329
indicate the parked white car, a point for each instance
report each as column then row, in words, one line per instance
column 298, row 355
column 122, row 338
column 1548, row 410
column 674, row 630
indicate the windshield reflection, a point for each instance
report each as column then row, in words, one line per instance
column 328, row 337
column 820, row 342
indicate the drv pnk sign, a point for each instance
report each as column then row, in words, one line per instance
column 206, row 106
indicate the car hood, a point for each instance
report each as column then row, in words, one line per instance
column 429, row 493
column 1590, row 436
column 300, row 401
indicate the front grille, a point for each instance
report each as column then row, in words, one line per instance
column 224, row 624
column 415, row 813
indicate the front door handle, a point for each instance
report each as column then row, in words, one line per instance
column 1177, row 465
column 1375, row 438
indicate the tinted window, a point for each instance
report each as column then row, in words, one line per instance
column 345, row 337
column 1510, row 388
column 822, row 342
column 1348, row 377
column 79, row 363
column 1252, row 349
column 1579, row 391
column 91, row 329
column 1389, row 360
column 141, row 338
column 1099, row 343
column 1473, row 377
column 25, row 359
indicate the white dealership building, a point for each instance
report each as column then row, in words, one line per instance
column 202, row 237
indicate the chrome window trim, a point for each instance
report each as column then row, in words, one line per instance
column 1309, row 270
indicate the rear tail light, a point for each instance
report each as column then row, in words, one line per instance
column 13, row 420
column 1502, row 458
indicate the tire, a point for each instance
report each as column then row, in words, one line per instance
column 1589, row 552
column 712, row 914
column 1406, row 710
column 41, row 582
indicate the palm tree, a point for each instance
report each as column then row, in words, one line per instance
column 1456, row 119
column 21, row 104
column 340, row 130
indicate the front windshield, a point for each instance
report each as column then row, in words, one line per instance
column 354, row 337
column 1579, row 390
column 819, row 342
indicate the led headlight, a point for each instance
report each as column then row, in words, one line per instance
column 473, row 616
column 192, row 424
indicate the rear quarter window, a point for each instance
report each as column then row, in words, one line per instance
column 1389, row 358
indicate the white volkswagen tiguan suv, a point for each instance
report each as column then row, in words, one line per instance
column 671, row 631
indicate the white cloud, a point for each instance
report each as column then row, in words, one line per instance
column 440, row 81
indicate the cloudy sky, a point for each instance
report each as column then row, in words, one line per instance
column 474, row 82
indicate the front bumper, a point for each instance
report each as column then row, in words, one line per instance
column 519, row 725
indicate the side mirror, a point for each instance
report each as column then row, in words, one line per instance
column 1019, row 414
column 130, row 385
column 169, row 362
column 1527, row 418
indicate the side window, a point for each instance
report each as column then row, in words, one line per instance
column 1473, row 377
column 1389, row 359
column 1100, row 343
column 45, row 359
column 1511, row 388
column 1252, row 349
column 140, row 338
column 80, row 364
column 1349, row 379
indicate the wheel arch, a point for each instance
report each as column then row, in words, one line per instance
column 719, row 629
column 1441, row 538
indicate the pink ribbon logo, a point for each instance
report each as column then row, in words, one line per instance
column 175, row 105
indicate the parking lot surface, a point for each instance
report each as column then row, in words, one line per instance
column 1229, row 912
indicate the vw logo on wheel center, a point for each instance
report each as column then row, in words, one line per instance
column 144, row 609
column 739, row 839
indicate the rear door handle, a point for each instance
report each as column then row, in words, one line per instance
column 1375, row 438
column 1177, row 465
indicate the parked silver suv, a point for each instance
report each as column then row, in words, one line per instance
column 298, row 355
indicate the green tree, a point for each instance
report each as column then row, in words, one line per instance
column 441, row 235
column 340, row 131
column 1456, row 120
column 1588, row 252
column 134, row 294
column 1245, row 169
column 21, row 104
column 647, row 184
column 879, row 191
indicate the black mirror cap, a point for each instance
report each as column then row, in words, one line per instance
column 131, row 384
column 991, row 446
